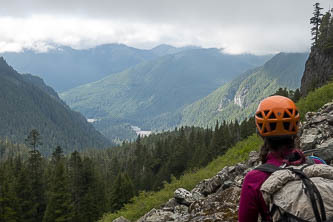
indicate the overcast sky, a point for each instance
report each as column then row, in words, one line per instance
column 237, row 26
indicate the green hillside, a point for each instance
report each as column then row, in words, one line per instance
column 27, row 103
column 154, row 89
column 239, row 98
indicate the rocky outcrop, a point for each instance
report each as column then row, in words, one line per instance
column 214, row 199
column 316, row 134
column 318, row 70
column 121, row 219
column 240, row 96
column 217, row 198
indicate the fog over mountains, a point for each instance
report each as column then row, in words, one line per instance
column 64, row 68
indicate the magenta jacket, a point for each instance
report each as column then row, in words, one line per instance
column 251, row 201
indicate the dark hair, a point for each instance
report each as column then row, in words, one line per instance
column 275, row 144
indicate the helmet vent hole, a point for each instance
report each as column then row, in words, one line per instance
column 260, row 125
column 291, row 111
column 286, row 125
column 272, row 116
column 296, row 112
column 272, row 126
column 286, row 115
column 265, row 130
column 266, row 112
column 259, row 115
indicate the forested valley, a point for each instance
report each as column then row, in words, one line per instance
column 81, row 186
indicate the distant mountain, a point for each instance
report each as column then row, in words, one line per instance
column 27, row 103
column 64, row 68
column 162, row 50
column 158, row 87
column 239, row 98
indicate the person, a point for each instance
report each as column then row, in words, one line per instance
column 277, row 120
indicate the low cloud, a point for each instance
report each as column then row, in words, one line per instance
column 258, row 26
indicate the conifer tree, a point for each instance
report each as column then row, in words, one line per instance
column 297, row 95
column 324, row 31
column 36, row 181
column 93, row 199
column 123, row 191
column 58, row 204
column 76, row 185
column 37, row 186
column 316, row 21
column 329, row 44
column 7, row 207
column 22, row 190
column 33, row 140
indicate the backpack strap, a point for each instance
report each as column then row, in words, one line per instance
column 312, row 190
column 267, row 168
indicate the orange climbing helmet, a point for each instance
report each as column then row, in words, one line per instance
column 277, row 116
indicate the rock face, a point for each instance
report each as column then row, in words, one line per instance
column 121, row 219
column 217, row 198
column 214, row 199
column 318, row 69
column 316, row 135
column 240, row 96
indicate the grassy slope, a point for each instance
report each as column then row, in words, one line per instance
column 315, row 99
column 148, row 200
column 239, row 153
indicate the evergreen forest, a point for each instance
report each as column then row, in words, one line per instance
column 84, row 185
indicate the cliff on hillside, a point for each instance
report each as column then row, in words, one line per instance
column 217, row 198
column 318, row 70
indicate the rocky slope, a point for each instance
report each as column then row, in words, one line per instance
column 217, row 198
column 318, row 70
column 317, row 133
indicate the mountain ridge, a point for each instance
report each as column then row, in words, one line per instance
column 26, row 106
column 238, row 99
column 64, row 67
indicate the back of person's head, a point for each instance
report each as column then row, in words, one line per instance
column 277, row 119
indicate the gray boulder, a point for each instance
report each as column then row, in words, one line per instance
column 121, row 219
column 183, row 196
